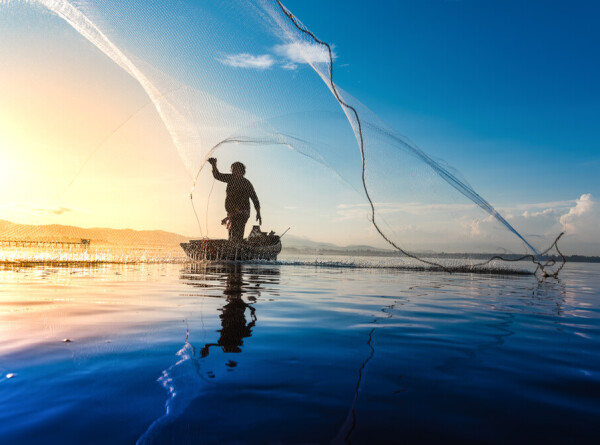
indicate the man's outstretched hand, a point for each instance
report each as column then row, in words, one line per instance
column 259, row 218
column 212, row 161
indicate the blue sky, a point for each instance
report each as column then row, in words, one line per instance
column 506, row 92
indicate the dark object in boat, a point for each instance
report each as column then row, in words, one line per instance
column 258, row 246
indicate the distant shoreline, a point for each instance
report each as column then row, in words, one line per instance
column 391, row 253
column 156, row 240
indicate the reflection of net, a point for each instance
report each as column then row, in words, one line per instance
column 235, row 79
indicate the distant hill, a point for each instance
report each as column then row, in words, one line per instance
column 295, row 243
column 98, row 236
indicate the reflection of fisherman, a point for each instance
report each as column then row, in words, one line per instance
column 237, row 202
column 233, row 317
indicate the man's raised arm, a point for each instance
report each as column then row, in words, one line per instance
column 215, row 171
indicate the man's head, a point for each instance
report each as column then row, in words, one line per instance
column 237, row 168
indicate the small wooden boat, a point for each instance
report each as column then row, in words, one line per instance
column 258, row 246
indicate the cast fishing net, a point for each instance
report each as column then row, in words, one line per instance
column 148, row 92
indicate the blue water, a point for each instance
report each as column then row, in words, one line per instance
column 297, row 353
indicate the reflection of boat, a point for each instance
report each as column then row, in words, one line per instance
column 258, row 246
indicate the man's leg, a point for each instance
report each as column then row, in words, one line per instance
column 236, row 233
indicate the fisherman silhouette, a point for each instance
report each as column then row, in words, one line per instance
column 239, row 192
column 233, row 316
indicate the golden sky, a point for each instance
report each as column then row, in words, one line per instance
column 63, row 102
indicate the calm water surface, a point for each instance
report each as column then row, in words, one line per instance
column 292, row 353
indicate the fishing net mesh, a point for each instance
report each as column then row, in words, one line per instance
column 128, row 101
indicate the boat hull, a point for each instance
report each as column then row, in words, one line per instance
column 224, row 250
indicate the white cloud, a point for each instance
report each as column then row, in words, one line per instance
column 463, row 224
column 39, row 208
column 546, row 212
column 413, row 208
column 542, row 205
column 287, row 56
column 55, row 210
column 352, row 212
column 474, row 229
column 303, row 52
column 584, row 218
column 245, row 60
column 289, row 66
column 542, row 222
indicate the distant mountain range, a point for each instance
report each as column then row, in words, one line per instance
column 291, row 242
column 97, row 236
